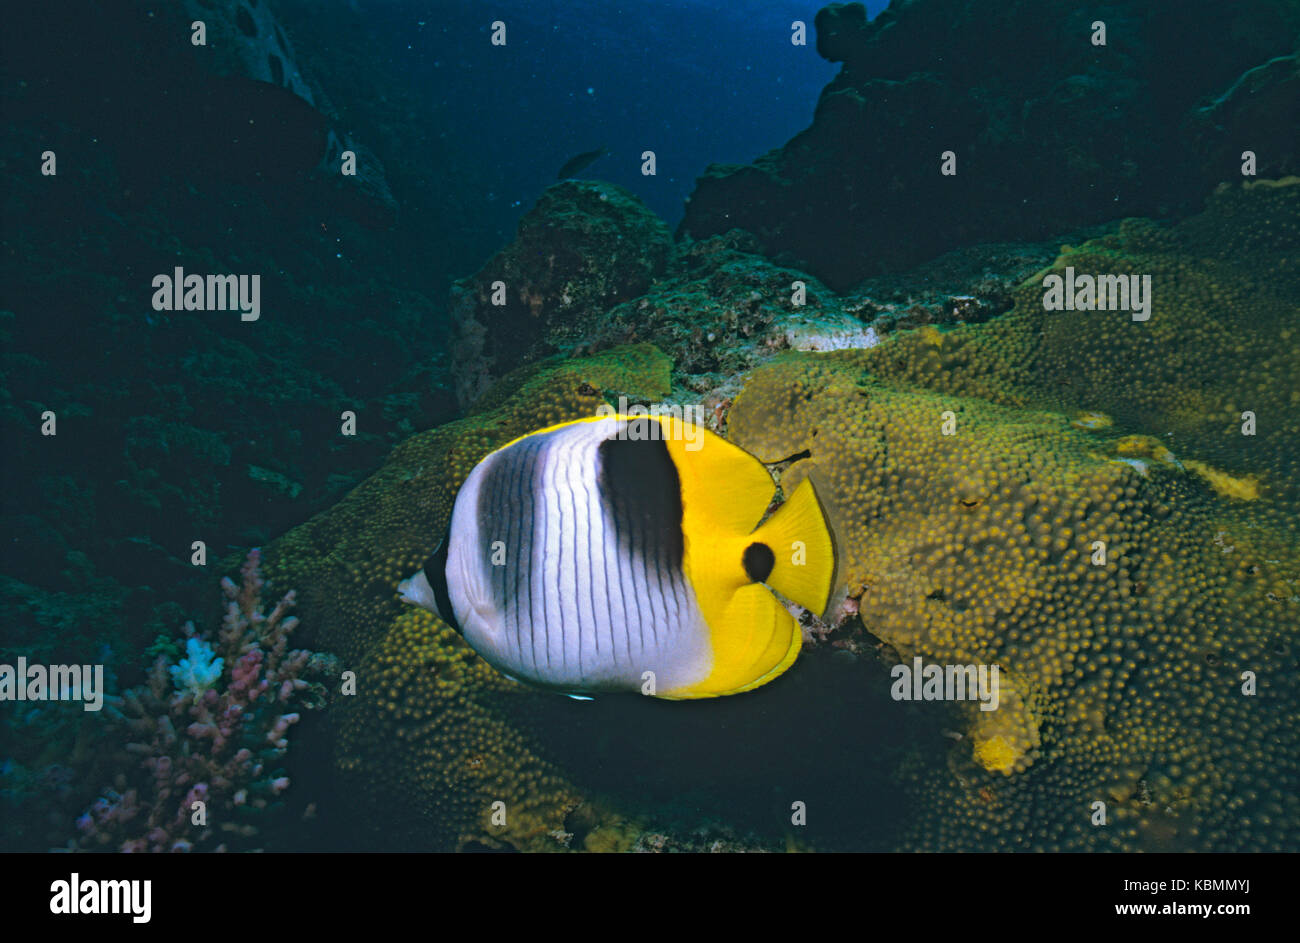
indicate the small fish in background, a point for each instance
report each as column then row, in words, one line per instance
column 581, row 162
column 583, row 555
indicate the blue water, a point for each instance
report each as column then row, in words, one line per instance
column 696, row 82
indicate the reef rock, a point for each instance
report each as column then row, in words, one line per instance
column 246, row 41
column 1049, row 131
column 583, row 248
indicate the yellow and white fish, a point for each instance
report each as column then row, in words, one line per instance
column 584, row 555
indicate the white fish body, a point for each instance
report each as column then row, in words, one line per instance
column 568, row 563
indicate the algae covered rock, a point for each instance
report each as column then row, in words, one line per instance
column 723, row 308
column 1060, row 494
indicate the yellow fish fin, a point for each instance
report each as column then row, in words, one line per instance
column 802, row 550
column 725, row 493
column 725, row 490
column 755, row 639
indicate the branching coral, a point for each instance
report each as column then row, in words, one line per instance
column 198, row 670
column 210, row 746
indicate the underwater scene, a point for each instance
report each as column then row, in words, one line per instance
column 682, row 426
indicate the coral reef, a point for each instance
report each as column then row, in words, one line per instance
column 1170, row 442
column 1010, row 85
column 1122, row 674
column 1120, row 680
column 210, row 748
column 717, row 307
column 1221, row 340
column 720, row 310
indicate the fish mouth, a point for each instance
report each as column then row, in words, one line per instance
column 416, row 591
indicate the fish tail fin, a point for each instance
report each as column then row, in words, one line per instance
column 794, row 552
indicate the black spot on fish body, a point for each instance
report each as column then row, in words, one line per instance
column 759, row 561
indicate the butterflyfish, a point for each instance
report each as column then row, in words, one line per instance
column 629, row 553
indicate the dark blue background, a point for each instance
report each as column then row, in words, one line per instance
column 695, row 81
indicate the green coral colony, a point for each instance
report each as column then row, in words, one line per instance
column 1074, row 499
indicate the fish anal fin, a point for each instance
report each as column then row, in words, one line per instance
column 755, row 639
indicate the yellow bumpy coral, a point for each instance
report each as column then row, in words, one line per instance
column 1133, row 575
column 433, row 739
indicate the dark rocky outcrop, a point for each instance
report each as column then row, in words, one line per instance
column 1050, row 131
column 584, row 248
